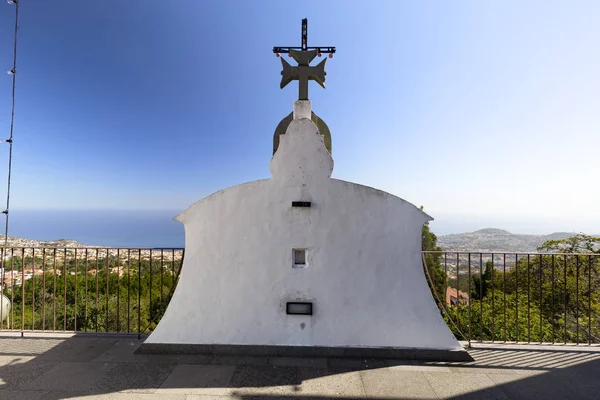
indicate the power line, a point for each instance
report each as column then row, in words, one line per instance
column 12, row 72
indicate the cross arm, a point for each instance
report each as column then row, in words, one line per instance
column 320, row 49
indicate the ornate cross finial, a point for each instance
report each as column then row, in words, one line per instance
column 303, row 56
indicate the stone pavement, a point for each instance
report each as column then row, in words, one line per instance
column 64, row 367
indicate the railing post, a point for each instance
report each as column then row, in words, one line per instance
column 22, row 291
column 106, row 293
column 528, row 298
column 139, row 294
column 2, row 284
column 504, row 291
column 150, row 294
column 54, row 290
column 128, row 290
column 481, row 296
column 493, row 302
column 44, row 289
column 118, row 265
column 565, row 298
column 162, row 270
column 75, row 295
column 469, row 294
column 589, row 300
column 516, row 298
column 65, row 273
column 577, row 298
column 86, row 289
column 553, row 295
column 12, row 287
column 541, row 300
column 97, row 288
column 33, row 289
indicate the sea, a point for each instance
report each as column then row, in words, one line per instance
column 155, row 229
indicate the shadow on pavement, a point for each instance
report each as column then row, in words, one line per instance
column 81, row 366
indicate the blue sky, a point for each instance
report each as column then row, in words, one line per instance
column 480, row 111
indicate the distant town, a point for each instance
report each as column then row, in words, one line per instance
column 45, row 253
column 483, row 240
column 497, row 240
column 40, row 257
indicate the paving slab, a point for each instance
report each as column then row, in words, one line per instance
column 481, row 370
column 221, row 359
column 584, row 387
column 15, row 359
column 75, row 395
column 264, row 380
column 476, row 386
column 421, row 368
column 147, row 396
column 77, row 349
column 390, row 362
column 356, row 363
column 528, row 371
column 330, row 383
column 17, row 373
column 70, row 376
column 27, row 346
column 21, row 394
column 547, row 387
column 397, row 384
column 93, row 368
column 56, row 395
column 197, row 379
column 134, row 377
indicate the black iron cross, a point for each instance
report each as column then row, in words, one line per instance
column 303, row 56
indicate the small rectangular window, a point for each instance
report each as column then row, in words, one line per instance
column 299, row 258
column 303, row 308
column 300, row 203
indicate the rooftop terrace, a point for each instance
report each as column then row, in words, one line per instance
column 72, row 332
column 76, row 366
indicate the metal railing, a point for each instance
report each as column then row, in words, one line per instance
column 499, row 297
column 517, row 297
column 117, row 290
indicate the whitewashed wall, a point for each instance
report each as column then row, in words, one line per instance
column 364, row 273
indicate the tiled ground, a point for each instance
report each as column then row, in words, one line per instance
column 92, row 368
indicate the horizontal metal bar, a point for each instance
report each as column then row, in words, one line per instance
column 500, row 253
column 321, row 49
column 466, row 252
column 94, row 248
column 110, row 274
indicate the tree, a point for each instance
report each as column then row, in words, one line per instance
column 84, row 301
column 482, row 283
column 546, row 297
column 433, row 261
column 579, row 243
